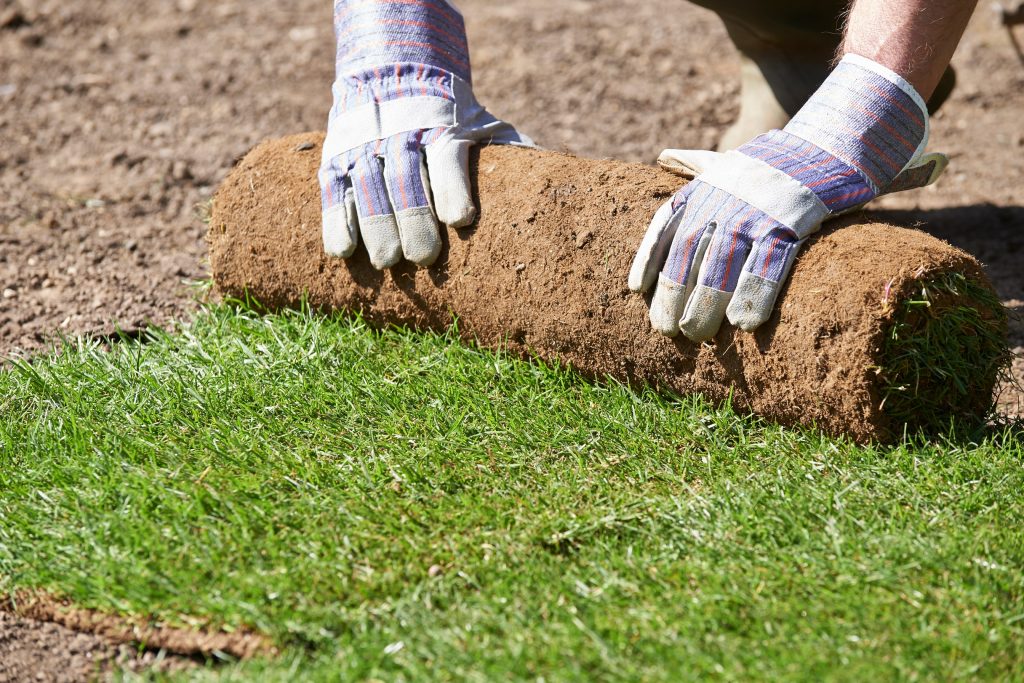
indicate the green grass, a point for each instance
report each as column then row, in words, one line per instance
column 304, row 475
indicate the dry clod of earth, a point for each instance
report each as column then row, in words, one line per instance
column 544, row 271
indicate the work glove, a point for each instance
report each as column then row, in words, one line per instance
column 723, row 246
column 396, row 156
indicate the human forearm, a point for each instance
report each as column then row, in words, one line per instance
column 914, row 38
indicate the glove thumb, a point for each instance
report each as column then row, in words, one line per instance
column 921, row 172
column 688, row 163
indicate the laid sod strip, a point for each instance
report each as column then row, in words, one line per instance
column 544, row 271
column 390, row 504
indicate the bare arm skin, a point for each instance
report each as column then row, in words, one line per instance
column 914, row 38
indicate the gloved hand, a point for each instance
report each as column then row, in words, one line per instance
column 396, row 154
column 724, row 244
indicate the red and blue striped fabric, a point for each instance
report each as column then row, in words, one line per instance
column 868, row 122
column 358, row 167
column 371, row 33
column 746, row 237
column 838, row 184
column 395, row 162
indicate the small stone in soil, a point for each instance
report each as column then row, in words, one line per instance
column 181, row 171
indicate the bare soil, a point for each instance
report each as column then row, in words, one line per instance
column 32, row 650
column 47, row 639
column 118, row 118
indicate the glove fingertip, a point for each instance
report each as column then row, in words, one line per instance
column 337, row 236
column 383, row 245
column 641, row 274
column 667, row 307
column 384, row 259
column 704, row 313
column 753, row 302
column 456, row 214
column 635, row 282
column 421, row 239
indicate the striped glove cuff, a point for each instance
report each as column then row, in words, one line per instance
column 371, row 33
column 863, row 126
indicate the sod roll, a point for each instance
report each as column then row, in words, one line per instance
column 879, row 326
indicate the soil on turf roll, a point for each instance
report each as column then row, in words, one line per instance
column 543, row 271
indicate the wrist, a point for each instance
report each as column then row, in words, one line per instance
column 381, row 103
column 391, row 82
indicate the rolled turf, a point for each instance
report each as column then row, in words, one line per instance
column 879, row 329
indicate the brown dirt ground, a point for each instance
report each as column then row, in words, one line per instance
column 119, row 117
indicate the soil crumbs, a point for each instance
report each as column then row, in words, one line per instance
column 119, row 118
